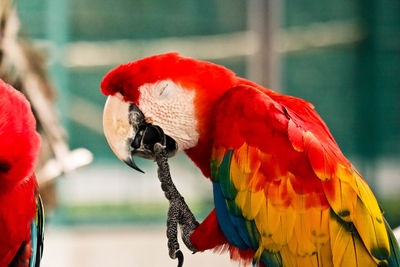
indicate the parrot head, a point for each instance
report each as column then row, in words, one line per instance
column 19, row 141
column 164, row 98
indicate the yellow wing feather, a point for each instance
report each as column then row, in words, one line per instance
column 304, row 234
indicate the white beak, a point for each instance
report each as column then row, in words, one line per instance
column 117, row 128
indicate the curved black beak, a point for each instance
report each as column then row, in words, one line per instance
column 131, row 163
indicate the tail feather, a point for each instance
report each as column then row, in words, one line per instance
column 346, row 244
column 394, row 256
column 271, row 259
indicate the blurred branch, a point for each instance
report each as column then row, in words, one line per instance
column 319, row 35
column 24, row 67
column 86, row 114
column 89, row 54
column 211, row 47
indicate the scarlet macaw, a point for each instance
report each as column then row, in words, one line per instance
column 21, row 213
column 284, row 193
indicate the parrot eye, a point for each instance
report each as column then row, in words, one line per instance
column 4, row 166
column 164, row 88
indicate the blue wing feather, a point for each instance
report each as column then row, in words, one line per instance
column 37, row 234
column 224, row 219
column 240, row 232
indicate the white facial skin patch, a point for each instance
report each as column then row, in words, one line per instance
column 170, row 106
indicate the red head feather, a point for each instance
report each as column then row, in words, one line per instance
column 127, row 78
column 19, row 141
column 209, row 80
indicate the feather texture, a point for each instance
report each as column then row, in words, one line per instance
column 286, row 189
column 19, row 149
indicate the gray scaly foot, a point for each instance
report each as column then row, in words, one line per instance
column 179, row 212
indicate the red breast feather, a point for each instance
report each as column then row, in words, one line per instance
column 19, row 149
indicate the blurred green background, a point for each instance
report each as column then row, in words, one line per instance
column 343, row 56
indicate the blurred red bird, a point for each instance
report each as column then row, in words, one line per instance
column 21, row 213
column 284, row 193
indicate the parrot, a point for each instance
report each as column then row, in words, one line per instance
column 284, row 194
column 21, row 210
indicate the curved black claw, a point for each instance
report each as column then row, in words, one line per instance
column 179, row 255
column 188, row 223
column 187, row 230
